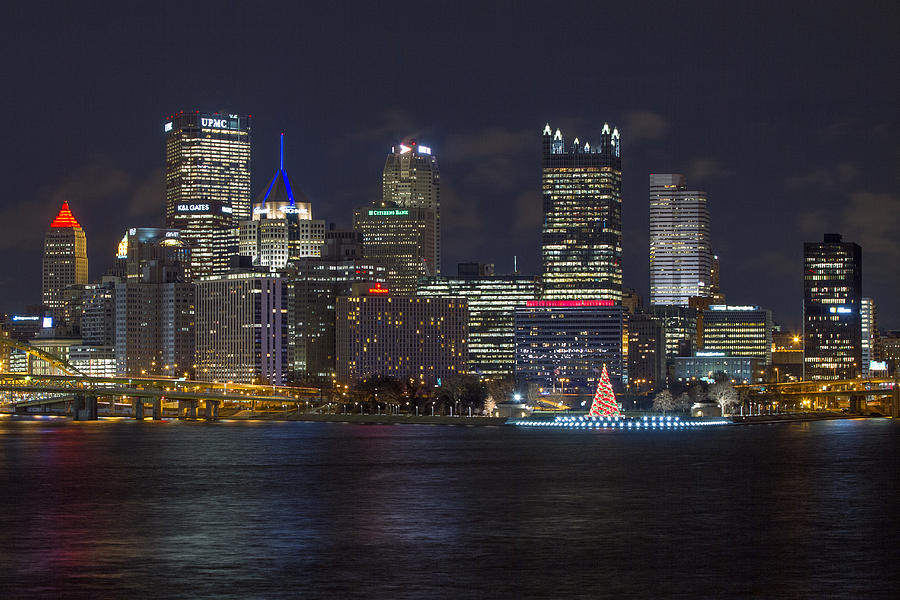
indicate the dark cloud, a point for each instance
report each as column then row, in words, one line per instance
column 395, row 125
column 645, row 125
column 830, row 179
column 703, row 169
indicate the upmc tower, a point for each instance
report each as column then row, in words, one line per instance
column 208, row 184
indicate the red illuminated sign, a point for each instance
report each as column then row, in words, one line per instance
column 378, row 289
column 567, row 303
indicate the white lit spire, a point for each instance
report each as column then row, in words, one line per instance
column 547, row 129
column 557, row 135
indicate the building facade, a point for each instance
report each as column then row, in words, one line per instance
column 65, row 261
column 208, row 184
column 646, row 353
column 316, row 284
column 154, row 306
column 680, row 324
column 403, row 240
column 869, row 341
column 707, row 366
column 738, row 331
column 832, row 301
column 492, row 300
column 402, row 337
column 411, row 179
column 681, row 259
column 562, row 345
column 242, row 328
column 581, row 238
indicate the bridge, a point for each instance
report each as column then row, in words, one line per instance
column 861, row 395
column 86, row 398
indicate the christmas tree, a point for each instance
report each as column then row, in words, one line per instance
column 605, row 404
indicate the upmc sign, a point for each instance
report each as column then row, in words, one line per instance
column 214, row 123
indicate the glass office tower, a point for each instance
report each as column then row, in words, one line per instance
column 208, row 184
column 581, row 240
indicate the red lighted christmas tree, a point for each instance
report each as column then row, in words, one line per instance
column 605, row 404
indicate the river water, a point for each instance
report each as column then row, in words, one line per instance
column 122, row 509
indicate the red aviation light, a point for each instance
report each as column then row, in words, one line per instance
column 567, row 303
column 65, row 218
column 378, row 289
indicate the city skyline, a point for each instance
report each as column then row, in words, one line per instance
column 801, row 155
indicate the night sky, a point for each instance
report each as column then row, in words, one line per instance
column 787, row 114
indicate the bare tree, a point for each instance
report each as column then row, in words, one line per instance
column 664, row 401
column 724, row 395
column 501, row 390
column 684, row 402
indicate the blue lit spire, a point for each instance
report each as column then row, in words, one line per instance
column 279, row 189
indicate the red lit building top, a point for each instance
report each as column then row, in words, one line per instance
column 65, row 218
column 567, row 303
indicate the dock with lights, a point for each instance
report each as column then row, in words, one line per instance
column 618, row 423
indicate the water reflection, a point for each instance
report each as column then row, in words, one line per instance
column 287, row 509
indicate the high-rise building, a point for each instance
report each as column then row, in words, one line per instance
column 96, row 355
column 315, row 284
column 646, row 353
column 832, row 299
column 282, row 228
column 680, row 324
column 681, row 261
column 491, row 300
column 98, row 314
column 738, row 331
column 868, row 334
column 65, row 260
column 208, row 185
column 401, row 239
column 401, row 337
column 581, row 240
column 155, row 306
column 562, row 345
column 715, row 285
column 242, row 328
column 411, row 179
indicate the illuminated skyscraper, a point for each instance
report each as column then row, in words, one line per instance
column 411, row 179
column 65, row 260
column 154, row 305
column 681, row 261
column 208, row 184
column 582, row 231
column 400, row 239
column 832, row 298
column 282, row 229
